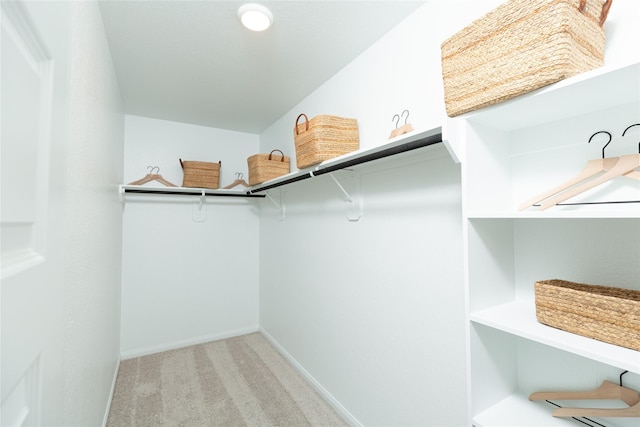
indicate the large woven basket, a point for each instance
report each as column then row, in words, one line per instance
column 324, row 137
column 200, row 174
column 263, row 167
column 603, row 313
column 521, row 46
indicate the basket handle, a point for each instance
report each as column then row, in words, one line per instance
column 605, row 10
column 306, row 120
column 281, row 153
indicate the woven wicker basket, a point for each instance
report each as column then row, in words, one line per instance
column 200, row 174
column 521, row 46
column 603, row 313
column 263, row 167
column 324, row 137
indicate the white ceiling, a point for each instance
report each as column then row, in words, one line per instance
column 193, row 62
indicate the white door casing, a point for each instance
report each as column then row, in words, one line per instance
column 33, row 109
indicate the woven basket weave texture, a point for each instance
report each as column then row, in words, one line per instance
column 603, row 313
column 200, row 174
column 324, row 137
column 263, row 167
column 518, row 47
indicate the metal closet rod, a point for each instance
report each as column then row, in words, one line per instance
column 392, row 151
column 136, row 190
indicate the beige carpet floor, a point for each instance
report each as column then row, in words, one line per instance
column 241, row 381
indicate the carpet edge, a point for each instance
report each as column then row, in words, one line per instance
column 328, row 397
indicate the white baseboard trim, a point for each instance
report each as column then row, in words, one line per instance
column 113, row 389
column 346, row 415
column 130, row 354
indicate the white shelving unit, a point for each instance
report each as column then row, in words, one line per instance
column 509, row 153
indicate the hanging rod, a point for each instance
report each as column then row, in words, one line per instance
column 430, row 138
column 189, row 193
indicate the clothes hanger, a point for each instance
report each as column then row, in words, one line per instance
column 238, row 181
column 406, row 128
column 606, row 391
column 591, row 168
column 153, row 177
column 625, row 166
column 394, row 132
column 633, row 174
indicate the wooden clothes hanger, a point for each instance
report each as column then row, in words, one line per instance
column 607, row 167
column 625, row 166
column 606, row 391
column 406, row 128
column 238, row 181
column 153, row 177
column 591, row 169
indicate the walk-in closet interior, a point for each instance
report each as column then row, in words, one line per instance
column 399, row 279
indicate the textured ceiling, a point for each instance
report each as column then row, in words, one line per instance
column 193, row 62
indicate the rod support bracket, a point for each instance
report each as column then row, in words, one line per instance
column 202, row 196
column 279, row 204
column 351, row 191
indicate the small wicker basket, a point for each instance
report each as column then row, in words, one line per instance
column 603, row 313
column 520, row 46
column 200, row 174
column 263, row 167
column 324, row 137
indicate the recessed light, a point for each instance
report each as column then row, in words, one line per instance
column 255, row 17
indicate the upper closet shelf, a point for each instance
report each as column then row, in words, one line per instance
column 409, row 142
column 406, row 143
column 590, row 92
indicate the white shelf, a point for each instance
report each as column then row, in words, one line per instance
column 550, row 102
column 519, row 318
column 391, row 143
column 518, row 410
column 613, row 213
column 355, row 156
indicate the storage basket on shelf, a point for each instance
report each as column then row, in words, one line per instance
column 200, row 174
column 324, row 137
column 521, row 46
column 263, row 167
column 603, row 313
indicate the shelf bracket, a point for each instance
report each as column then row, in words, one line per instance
column 353, row 198
column 279, row 204
column 197, row 213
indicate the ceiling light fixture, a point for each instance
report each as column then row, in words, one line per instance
column 255, row 17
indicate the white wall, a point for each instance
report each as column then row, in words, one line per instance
column 91, row 311
column 188, row 275
column 373, row 311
